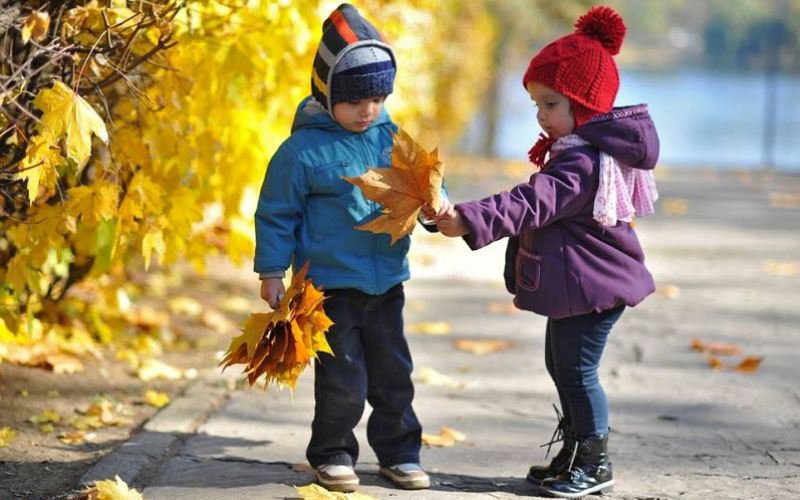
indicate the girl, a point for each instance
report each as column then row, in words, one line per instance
column 573, row 255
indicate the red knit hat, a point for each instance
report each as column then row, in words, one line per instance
column 580, row 65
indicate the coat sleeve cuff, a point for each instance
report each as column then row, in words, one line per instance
column 272, row 274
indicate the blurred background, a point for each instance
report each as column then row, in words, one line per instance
column 721, row 79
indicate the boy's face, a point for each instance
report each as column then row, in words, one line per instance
column 554, row 112
column 356, row 116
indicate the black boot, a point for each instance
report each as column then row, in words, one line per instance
column 560, row 463
column 588, row 473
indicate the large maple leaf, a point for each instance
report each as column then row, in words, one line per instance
column 413, row 181
column 279, row 345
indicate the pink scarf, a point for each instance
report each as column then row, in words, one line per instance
column 623, row 192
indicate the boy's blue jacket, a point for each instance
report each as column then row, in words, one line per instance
column 306, row 211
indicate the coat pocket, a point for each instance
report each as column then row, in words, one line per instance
column 529, row 270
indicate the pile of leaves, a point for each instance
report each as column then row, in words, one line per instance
column 279, row 345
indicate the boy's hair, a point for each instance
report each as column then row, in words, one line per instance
column 353, row 60
column 580, row 65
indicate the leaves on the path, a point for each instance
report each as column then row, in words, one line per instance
column 7, row 434
column 317, row 492
column 784, row 200
column 482, row 347
column 430, row 328
column 279, row 345
column 186, row 306
column 46, row 417
column 675, row 206
column 156, row 399
column 413, row 181
column 153, row 369
column 507, row 308
column 782, row 268
column 76, row 437
column 109, row 489
column 712, row 351
column 669, row 291
column 429, row 376
column 749, row 364
column 446, row 438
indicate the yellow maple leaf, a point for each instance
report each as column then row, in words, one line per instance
column 65, row 113
column 155, row 398
column 317, row 492
column 7, row 434
column 39, row 165
column 115, row 489
column 153, row 241
column 35, row 26
column 93, row 203
column 46, row 417
column 413, row 181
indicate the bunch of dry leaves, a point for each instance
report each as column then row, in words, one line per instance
column 279, row 345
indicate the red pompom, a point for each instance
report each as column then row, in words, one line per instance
column 604, row 25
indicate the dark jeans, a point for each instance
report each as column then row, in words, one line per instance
column 573, row 348
column 371, row 363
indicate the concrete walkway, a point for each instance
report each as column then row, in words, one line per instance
column 727, row 268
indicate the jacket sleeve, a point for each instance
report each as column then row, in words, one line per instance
column 560, row 191
column 280, row 209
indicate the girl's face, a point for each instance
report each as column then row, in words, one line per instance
column 554, row 112
column 356, row 116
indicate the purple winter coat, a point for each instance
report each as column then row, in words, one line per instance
column 560, row 262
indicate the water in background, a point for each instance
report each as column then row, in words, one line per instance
column 704, row 119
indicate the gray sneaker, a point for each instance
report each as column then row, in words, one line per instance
column 408, row 476
column 334, row 477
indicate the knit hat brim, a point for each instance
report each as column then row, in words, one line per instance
column 355, row 87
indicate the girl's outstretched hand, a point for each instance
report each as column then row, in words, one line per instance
column 449, row 221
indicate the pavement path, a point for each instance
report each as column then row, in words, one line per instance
column 725, row 256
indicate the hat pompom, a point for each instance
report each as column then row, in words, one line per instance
column 604, row 25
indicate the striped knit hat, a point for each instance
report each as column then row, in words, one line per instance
column 353, row 60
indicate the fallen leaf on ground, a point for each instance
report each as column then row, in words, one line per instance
column 146, row 317
column 152, row 369
column 414, row 180
column 108, row 489
column 669, row 291
column 431, row 328
column 446, row 438
column 279, row 345
column 482, row 347
column 7, row 434
column 186, row 306
column 507, row 308
column 217, row 321
column 429, row 376
column 76, row 437
column 236, row 305
column 156, row 399
column 46, row 428
column 750, row 364
column 46, row 417
column 784, row 200
column 720, row 348
column 782, row 268
column 317, row 492
column 675, row 206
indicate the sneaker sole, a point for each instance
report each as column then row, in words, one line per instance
column 405, row 483
column 600, row 489
column 339, row 486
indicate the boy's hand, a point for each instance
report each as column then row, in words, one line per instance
column 449, row 221
column 272, row 291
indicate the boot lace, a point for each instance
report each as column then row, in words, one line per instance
column 559, row 434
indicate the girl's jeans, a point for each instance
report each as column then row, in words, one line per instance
column 573, row 348
column 371, row 363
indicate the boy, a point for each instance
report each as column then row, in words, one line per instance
column 307, row 212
